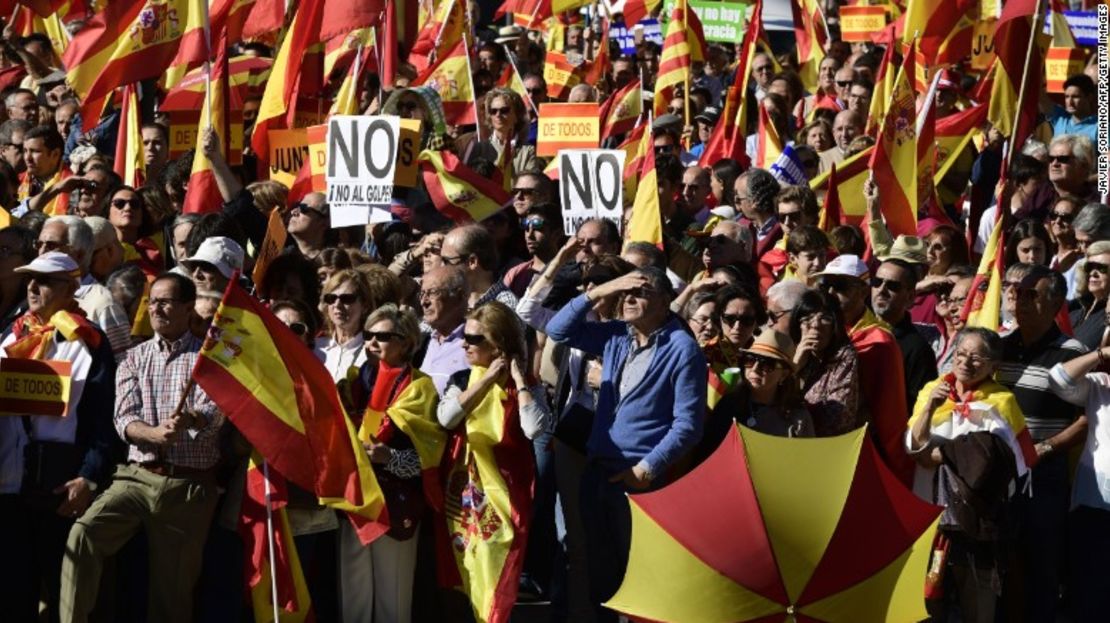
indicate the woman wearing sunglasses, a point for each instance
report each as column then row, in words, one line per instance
column 395, row 413
column 737, row 311
column 1088, row 312
column 128, row 214
column 344, row 305
column 1068, row 253
column 493, row 412
column 827, row 364
column 767, row 397
column 504, row 127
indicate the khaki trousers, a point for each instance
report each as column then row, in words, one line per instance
column 175, row 512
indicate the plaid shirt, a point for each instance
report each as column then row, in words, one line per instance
column 149, row 383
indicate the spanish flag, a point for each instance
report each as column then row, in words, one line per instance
column 203, row 195
column 1011, row 42
column 129, row 42
column 884, row 88
column 634, row 154
column 810, row 33
column 457, row 191
column 559, row 75
column 490, row 474
column 440, row 35
column 983, row 307
column 894, row 160
column 637, row 10
column 620, row 110
column 768, row 143
column 954, row 133
column 932, row 21
column 646, row 223
column 284, row 401
column 450, row 77
column 831, row 215
column 596, row 69
column 129, row 163
column 683, row 46
column 848, row 186
column 60, row 204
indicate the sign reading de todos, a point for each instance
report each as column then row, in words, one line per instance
column 361, row 161
column 590, row 186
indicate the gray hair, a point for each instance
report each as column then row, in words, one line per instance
column 991, row 339
column 1057, row 285
column 404, row 322
column 79, row 237
column 103, row 232
column 652, row 253
column 10, row 127
column 1099, row 247
column 191, row 218
column 1093, row 220
column 786, row 293
column 696, row 301
column 658, row 280
column 126, row 284
column 1081, row 147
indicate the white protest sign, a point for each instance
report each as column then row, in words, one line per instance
column 590, row 181
column 362, row 159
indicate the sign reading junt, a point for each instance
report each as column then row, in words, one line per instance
column 590, row 186
column 362, row 160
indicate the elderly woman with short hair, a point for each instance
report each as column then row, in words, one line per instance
column 1088, row 312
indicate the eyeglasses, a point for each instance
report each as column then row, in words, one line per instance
column 524, row 192
column 775, row 316
column 1057, row 216
column 451, row 261
column 1097, row 267
column 817, row 319
column 835, row 284
column 972, row 358
column 298, row 328
column 663, row 150
column 473, row 339
column 957, row 301
column 347, row 298
column 533, row 223
column 304, row 208
column 434, row 293
column 731, row 320
column 795, row 216
column 719, row 239
column 162, row 302
column 890, row 284
column 119, row 204
column 502, row 111
column 382, row 336
column 844, row 83
column 1060, row 159
column 1021, row 293
column 701, row 321
column 761, row 69
column 48, row 245
column 535, row 91
column 754, row 361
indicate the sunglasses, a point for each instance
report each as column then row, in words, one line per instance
column 536, row 91
column 1065, row 218
column 304, row 208
column 382, row 336
column 473, row 339
column 834, row 284
column 347, row 298
column 753, row 361
column 662, row 150
column 1060, row 159
column 893, row 286
column 731, row 320
column 1097, row 267
column 119, row 204
column 298, row 328
column 48, row 245
column 795, row 216
column 844, row 83
column 641, row 293
column 524, row 192
column 533, row 223
column 501, row 112
column 1020, row 293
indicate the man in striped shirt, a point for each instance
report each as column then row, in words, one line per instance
column 1032, row 295
column 168, row 485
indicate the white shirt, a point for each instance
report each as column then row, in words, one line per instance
column 103, row 311
column 1092, row 474
column 339, row 358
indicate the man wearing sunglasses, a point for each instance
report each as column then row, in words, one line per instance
column 529, row 188
column 846, row 278
column 649, row 409
column 1070, row 161
column 543, row 235
column 1032, row 296
column 892, row 295
column 308, row 224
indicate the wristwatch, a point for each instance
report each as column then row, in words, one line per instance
column 1044, row 447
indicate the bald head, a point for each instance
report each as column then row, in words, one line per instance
column 847, row 125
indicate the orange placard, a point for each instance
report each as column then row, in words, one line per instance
column 567, row 126
column 318, row 157
column 272, row 245
column 858, row 23
column 34, row 387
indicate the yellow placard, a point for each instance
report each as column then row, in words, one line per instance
column 407, row 151
column 982, row 45
column 288, row 150
column 1060, row 64
column 34, row 387
column 183, row 134
column 567, row 126
column 318, row 157
column 858, row 23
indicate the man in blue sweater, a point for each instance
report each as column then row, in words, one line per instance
column 649, row 413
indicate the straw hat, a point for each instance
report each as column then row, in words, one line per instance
column 773, row 345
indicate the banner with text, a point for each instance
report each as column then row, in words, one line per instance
column 720, row 21
column 34, row 387
column 362, row 160
column 858, row 23
column 590, row 186
column 567, row 126
column 288, row 151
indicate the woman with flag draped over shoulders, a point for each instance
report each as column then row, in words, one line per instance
column 400, row 433
column 493, row 413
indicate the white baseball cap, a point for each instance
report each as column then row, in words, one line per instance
column 845, row 266
column 52, row 263
column 223, row 253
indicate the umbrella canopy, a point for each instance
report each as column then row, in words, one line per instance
column 246, row 75
column 776, row 529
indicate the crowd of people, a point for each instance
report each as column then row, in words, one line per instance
column 609, row 365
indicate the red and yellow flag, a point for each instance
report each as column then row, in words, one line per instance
column 953, row 134
column 848, row 186
column 634, row 148
column 559, row 75
column 620, row 110
column 457, row 191
column 129, row 163
column 932, row 21
column 1011, row 43
column 128, row 42
column 984, row 300
column 57, row 206
column 727, row 140
column 441, row 34
column 203, row 195
column 450, row 77
column 831, row 214
column 894, row 160
column 683, row 46
column 810, row 33
column 636, row 10
column 284, row 401
column 768, row 143
column 646, row 222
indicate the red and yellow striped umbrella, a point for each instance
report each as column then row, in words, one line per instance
column 778, row 529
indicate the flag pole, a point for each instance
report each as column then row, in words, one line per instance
column 1009, row 147
column 270, row 538
column 470, row 76
column 442, row 27
column 208, row 66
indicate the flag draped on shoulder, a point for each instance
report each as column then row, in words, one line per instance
column 457, row 191
column 683, row 46
column 488, row 504
column 129, row 42
column 894, row 161
column 284, row 401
